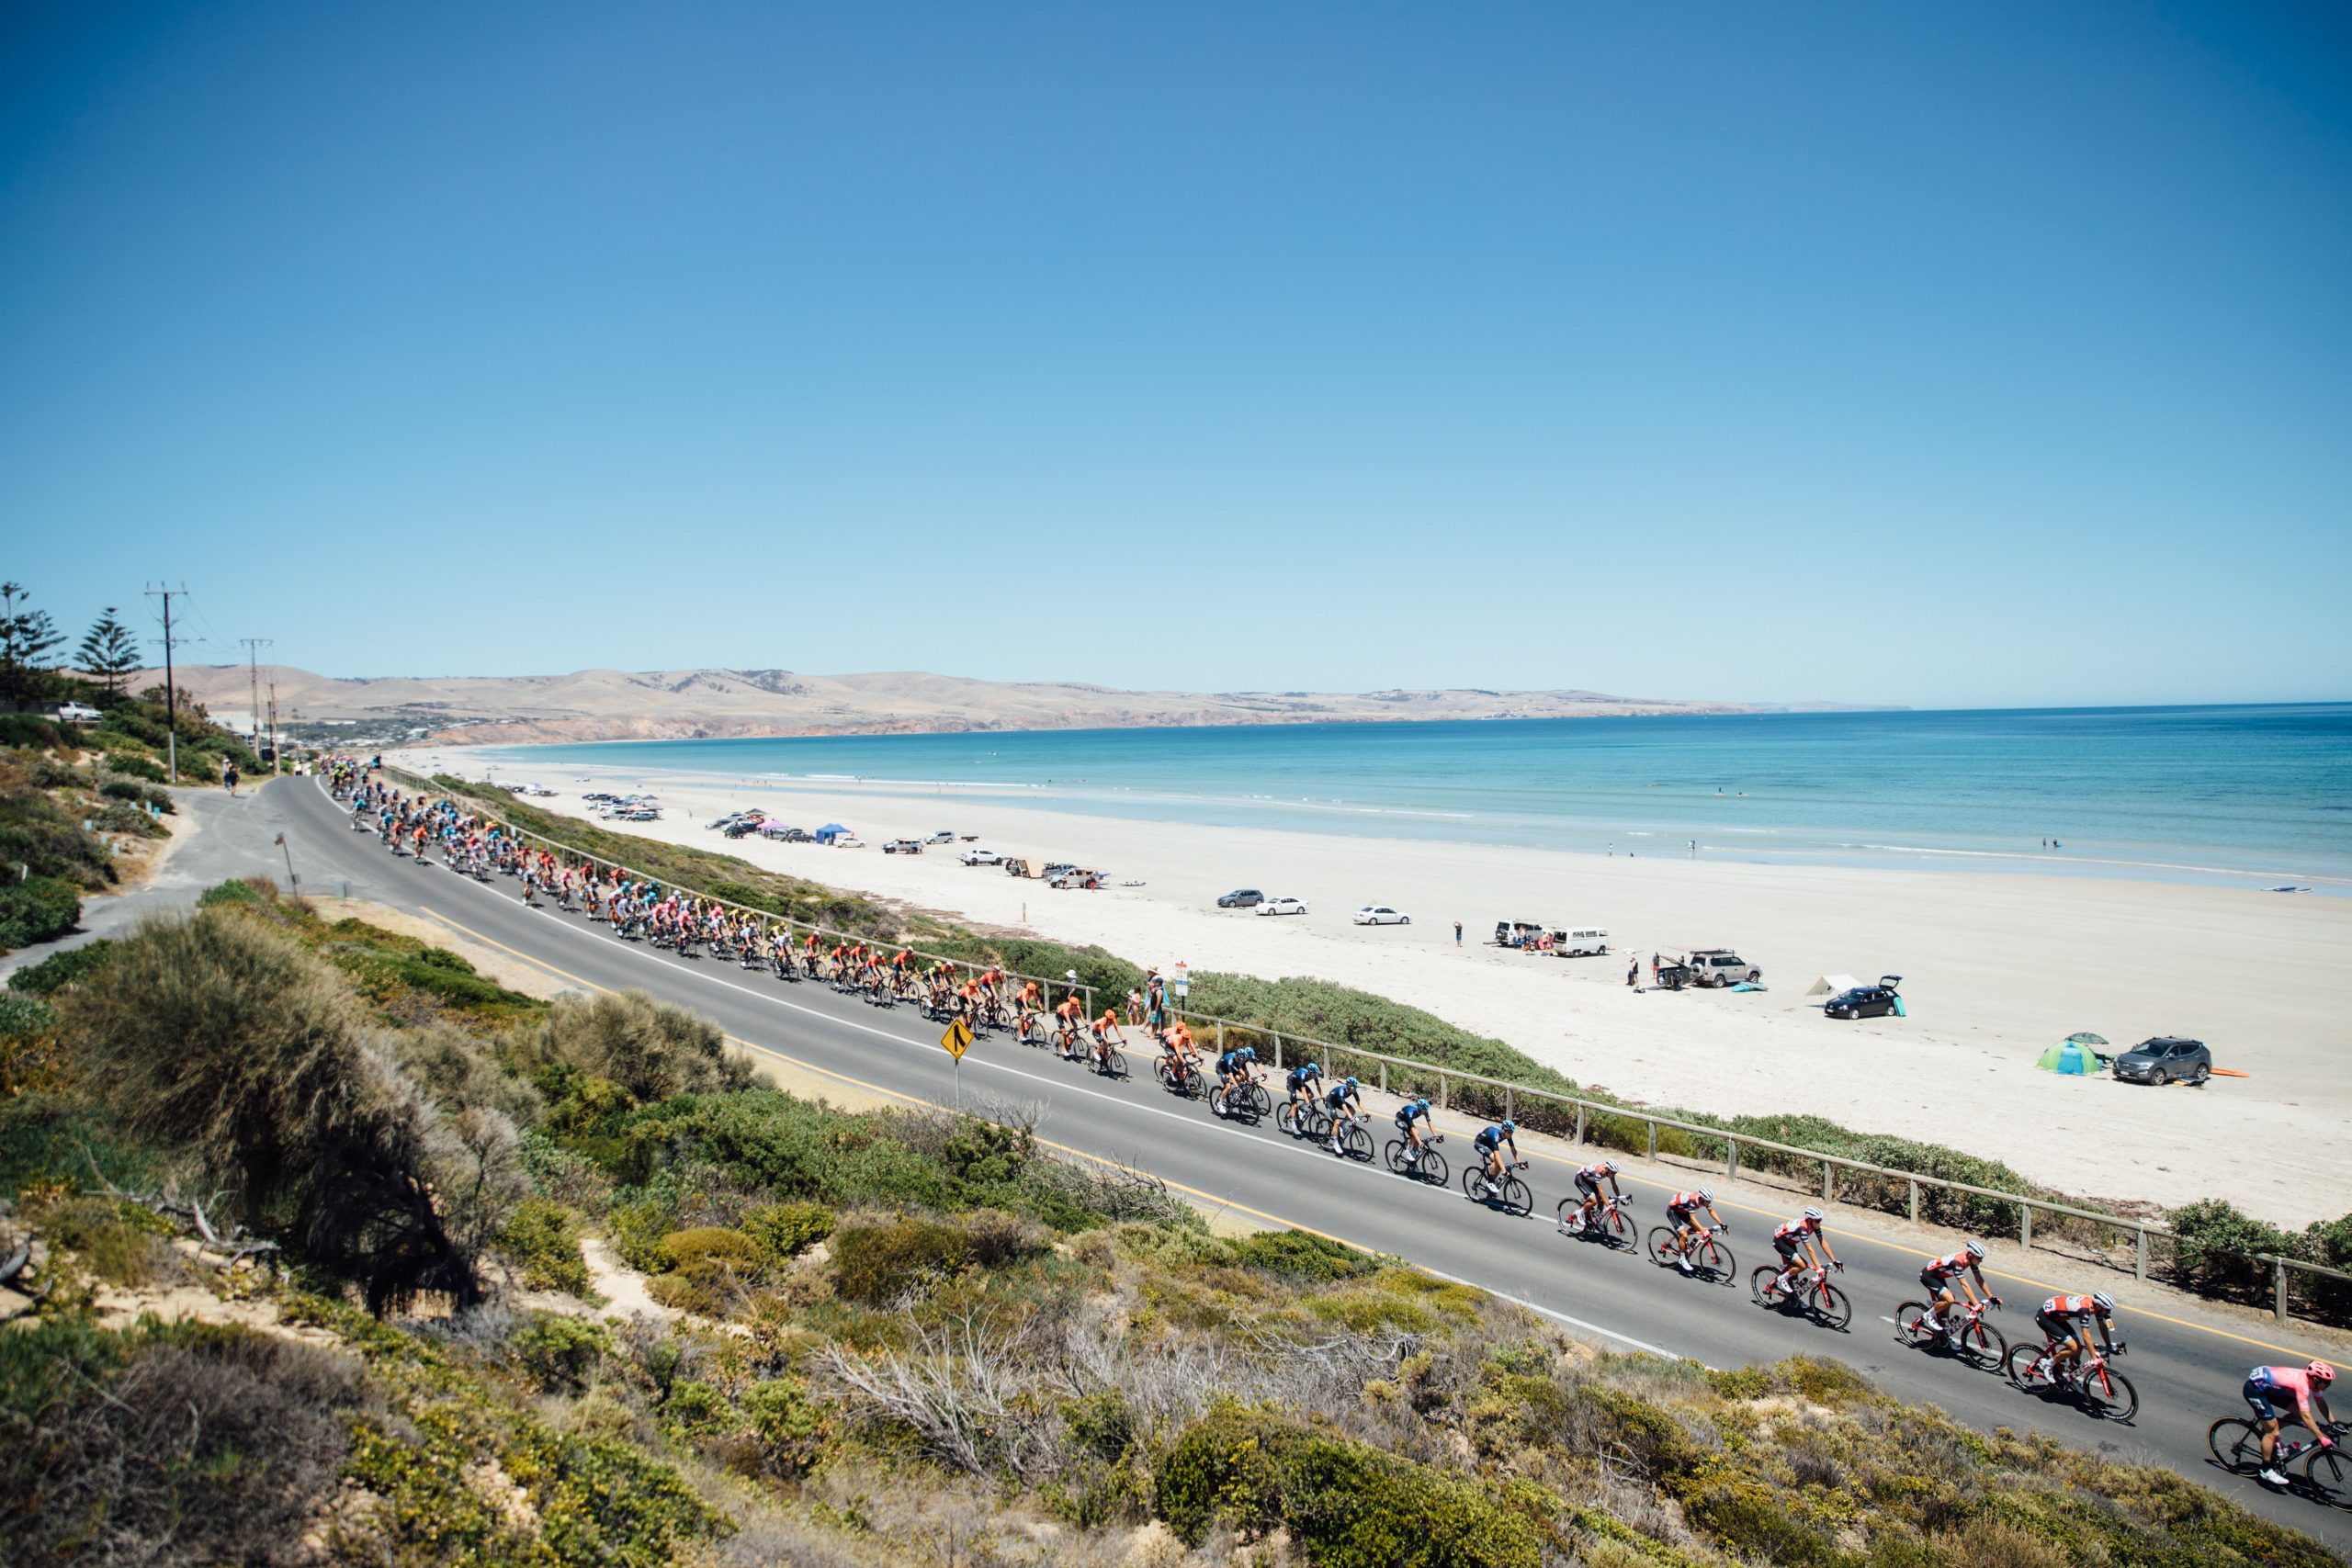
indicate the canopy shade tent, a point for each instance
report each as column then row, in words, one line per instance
column 829, row 831
column 2072, row 1058
column 1830, row 984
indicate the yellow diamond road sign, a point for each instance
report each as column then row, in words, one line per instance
column 958, row 1040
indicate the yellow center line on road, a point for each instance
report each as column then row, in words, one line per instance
column 1291, row 1225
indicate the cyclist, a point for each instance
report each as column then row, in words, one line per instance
column 1490, row 1142
column 1413, row 1125
column 1966, row 1264
column 1026, row 1010
column 1588, row 1179
column 2279, row 1394
column 1682, row 1213
column 1303, row 1080
column 1176, row 1047
column 2067, row 1321
column 1795, row 1242
column 1340, row 1101
column 1106, row 1034
column 1071, row 1011
column 1233, row 1071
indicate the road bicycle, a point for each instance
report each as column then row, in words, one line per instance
column 1710, row 1260
column 1311, row 1124
column 1245, row 1101
column 1183, row 1077
column 1607, row 1224
column 1351, row 1133
column 1973, row 1339
column 1507, row 1193
column 2096, row 1386
column 1813, row 1294
column 1108, row 1059
column 1430, row 1167
column 2326, row 1474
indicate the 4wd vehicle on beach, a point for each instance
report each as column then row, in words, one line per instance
column 1074, row 877
column 1722, row 966
column 902, row 847
column 2166, row 1059
column 941, row 836
column 982, row 857
column 1240, row 898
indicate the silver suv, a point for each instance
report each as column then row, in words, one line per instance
column 1722, row 966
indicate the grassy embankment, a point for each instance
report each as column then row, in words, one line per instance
column 903, row 1338
column 2215, row 1245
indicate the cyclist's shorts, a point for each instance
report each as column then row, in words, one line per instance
column 1587, row 1185
column 1677, row 1215
column 1787, row 1248
column 1485, row 1145
column 1935, row 1284
column 2063, row 1325
column 1404, row 1123
column 2270, row 1404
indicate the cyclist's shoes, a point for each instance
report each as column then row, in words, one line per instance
column 1931, row 1320
column 1685, row 1263
column 2270, row 1473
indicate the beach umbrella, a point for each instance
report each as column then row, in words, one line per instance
column 2070, row 1058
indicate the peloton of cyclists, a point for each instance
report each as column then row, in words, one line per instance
column 2278, row 1394
column 1795, row 1242
column 1939, row 1277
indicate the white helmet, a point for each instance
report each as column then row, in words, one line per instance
column 1975, row 1248
column 1706, row 1195
column 1815, row 1215
column 2101, row 1299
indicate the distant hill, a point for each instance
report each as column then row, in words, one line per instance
column 674, row 704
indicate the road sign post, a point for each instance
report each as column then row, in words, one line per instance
column 955, row 1042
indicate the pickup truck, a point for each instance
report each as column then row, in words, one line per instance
column 982, row 857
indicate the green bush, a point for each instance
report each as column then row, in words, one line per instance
column 60, row 970
column 711, row 1253
column 876, row 1265
column 559, row 1352
column 2214, row 1247
column 784, row 1231
column 242, row 890
column 1345, row 1504
column 791, row 1431
column 41, row 909
column 32, row 730
column 137, row 767
column 1298, row 1256
column 543, row 1238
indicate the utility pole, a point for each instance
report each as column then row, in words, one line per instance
column 254, row 645
column 171, row 682
column 273, row 729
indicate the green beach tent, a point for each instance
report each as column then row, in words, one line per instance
column 2074, row 1057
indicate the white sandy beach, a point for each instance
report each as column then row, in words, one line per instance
column 1995, row 967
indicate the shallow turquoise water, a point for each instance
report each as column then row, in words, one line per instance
column 2244, row 795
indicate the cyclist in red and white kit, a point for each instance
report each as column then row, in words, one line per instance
column 1938, row 1277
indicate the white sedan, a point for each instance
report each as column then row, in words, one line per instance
column 1380, row 915
column 1281, row 906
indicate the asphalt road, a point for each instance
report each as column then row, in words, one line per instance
column 2186, row 1371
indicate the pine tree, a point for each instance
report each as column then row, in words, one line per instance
column 110, row 652
column 27, row 637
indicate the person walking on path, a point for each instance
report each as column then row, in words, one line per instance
column 1457, row 933
column 229, row 776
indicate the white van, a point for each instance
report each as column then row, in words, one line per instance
column 1579, row 940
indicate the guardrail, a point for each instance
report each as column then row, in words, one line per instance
column 1580, row 1118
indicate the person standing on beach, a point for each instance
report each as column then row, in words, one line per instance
column 1457, row 933
column 1634, row 974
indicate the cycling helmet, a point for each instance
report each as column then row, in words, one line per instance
column 1975, row 1249
column 1248, row 1053
column 1421, row 1105
column 1351, row 1086
column 2320, row 1372
column 1314, row 1069
column 1610, row 1166
column 2103, row 1302
column 1706, row 1195
column 1510, row 1127
column 1814, row 1216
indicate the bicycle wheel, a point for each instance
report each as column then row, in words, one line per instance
column 2018, row 1365
column 1355, row 1143
column 1286, row 1118
column 1829, row 1306
column 1516, row 1199
column 1911, row 1326
column 2237, row 1446
column 2330, row 1474
column 1619, row 1234
column 2108, row 1394
column 1261, row 1103
column 1665, row 1245
column 1115, row 1064
column 1713, row 1261
column 1985, row 1346
column 1760, row 1277
column 1433, row 1167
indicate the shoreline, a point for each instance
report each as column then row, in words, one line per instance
column 1999, row 965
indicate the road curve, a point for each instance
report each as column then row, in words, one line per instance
column 2186, row 1373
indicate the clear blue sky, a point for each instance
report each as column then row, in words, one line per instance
column 1947, row 356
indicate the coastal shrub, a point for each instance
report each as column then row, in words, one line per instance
column 138, row 765
column 41, row 909
column 61, row 969
column 784, row 1231
column 558, row 1351
column 1345, row 1504
column 542, row 1237
column 652, row 1049
column 2214, row 1247
column 32, row 1055
column 1301, row 1257
column 31, row 730
column 877, row 1264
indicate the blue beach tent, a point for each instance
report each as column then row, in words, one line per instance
column 829, row 831
column 2074, row 1057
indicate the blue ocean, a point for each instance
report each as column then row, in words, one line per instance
column 2241, row 795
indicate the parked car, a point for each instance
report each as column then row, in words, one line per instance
column 1240, row 898
column 1518, row 933
column 77, row 713
column 1380, row 915
column 846, row 842
column 941, row 836
column 1074, row 877
column 1281, row 906
column 902, row 847
column 1722, row 966
column 2164, row 1059
column 1576, row 942
column 1867, row 1001
column 982, row 857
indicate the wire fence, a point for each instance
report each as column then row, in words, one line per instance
column 2146, row 1248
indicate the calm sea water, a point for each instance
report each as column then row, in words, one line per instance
column 2244, row 795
